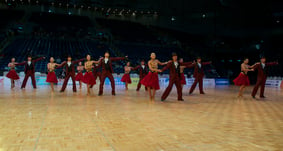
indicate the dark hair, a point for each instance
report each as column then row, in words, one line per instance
column 69, row 56
column 106, row 52
column 245, row 58
column 174, row 54
column 198, row 57
column 29, row 56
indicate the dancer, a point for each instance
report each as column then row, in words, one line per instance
column 51, row 76
column 243, row 80
column 30, row 70
column 143, row 70
column 261, row 67
column 198, row 75
column 151, row 79
column 126, row 77
column 80, row 76
column 70, row 72
column 174, row 77
column 96, row 73
column 88, row 77
column 107, row 70
column 182, row 68
column 12, row 74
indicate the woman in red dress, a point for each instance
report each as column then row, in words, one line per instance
column 80, row 76
column 243, row 80
column 126, row 77
column 12, row 74
column 88, row 77
column 151, row 80
column 183, row 78
column 51, row 76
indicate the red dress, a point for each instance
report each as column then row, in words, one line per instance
column 126, row 78
column 183, row 79
column 12, row 74
column 151, row 80
column 242, row 79
column 51, row 77
column 79, row 76
column 88, row 78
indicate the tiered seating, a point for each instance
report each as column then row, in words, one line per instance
column 60, row 25
column 128, row 31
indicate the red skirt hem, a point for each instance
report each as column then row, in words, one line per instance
column 242, row 80
column 79, row 76
column 151, row 80
column 88, row 78
column 126, row 78
column 12, row 74
column 51, row 77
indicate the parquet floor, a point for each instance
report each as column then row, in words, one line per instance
column 218, row 121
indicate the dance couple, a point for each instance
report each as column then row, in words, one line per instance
column 243, row 80
column 29, row 71
column 142, row 70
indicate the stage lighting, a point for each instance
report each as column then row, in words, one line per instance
column 49, row 11
column 173, row 18
column 278, row 21
column 203, row 15
column 69, row 13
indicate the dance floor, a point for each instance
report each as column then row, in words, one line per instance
column 44, row 121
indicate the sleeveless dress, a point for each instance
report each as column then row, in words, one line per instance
column 242, row 79
column 79, row 76
column 151, row 79
column 126, row 77
column 51, row 76
column 12, row 74
column 88, row 78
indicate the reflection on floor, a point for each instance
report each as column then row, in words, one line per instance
column 44, row 121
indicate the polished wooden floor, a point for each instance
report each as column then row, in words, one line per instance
column 218, row 121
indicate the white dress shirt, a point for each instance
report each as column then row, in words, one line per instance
column 199, row 65
column 176, row 64
column 263, row 65
column 106, row 60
